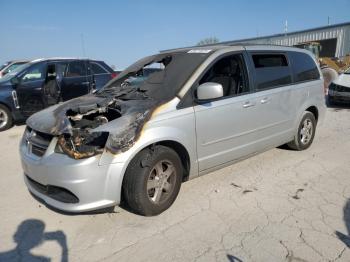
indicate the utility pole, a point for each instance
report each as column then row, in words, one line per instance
column 286, row 27
column 285, row 32
column 82, row 44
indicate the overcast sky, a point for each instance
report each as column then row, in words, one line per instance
column 119, row 32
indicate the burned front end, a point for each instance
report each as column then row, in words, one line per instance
column 113, row 127
column 63, row 145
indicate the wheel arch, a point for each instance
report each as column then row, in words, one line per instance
column 7, row 106
column 314, row 111
column 182, row 153
column 178, row 147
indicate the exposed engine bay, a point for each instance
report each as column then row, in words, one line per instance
column 112, row 118
column 92, row 131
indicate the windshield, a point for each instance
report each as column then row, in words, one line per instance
column 13, row 67
column 157, row 77
column 14, row 72
column 143, row 74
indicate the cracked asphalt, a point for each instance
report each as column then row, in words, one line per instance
column 281, row 205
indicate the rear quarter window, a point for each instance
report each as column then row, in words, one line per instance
column 304, row 67
column 97, row 69
column 271, row 71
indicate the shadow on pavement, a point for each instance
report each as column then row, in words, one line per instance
column 31, row 234
column 233, row 258
column 345, row 238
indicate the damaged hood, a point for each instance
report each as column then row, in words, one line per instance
column 54, row 120
column 117, row 111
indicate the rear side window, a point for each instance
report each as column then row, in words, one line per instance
column 97, row 69
column 272, row 70
column 76, row 68
column 271, row 60
column 303, row 66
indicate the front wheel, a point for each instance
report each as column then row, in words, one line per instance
column 152, row 180
column 305, row 133
column 5, row 118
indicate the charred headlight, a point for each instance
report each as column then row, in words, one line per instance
column 82, row 145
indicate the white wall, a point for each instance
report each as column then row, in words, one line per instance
column 342, row 34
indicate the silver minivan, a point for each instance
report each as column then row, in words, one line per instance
column 200, row 109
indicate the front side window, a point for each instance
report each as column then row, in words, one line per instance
column 34, row 73
column 271, row 71
column 304, row 67
column 230, row 73
column 76, row 69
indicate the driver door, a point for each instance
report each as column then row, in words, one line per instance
column 226, row 127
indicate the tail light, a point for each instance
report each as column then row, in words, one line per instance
column 113, row 75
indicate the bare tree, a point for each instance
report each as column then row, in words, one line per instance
column 208, row 41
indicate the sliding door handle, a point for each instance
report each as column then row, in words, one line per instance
column 248, row 104
column 264, row 100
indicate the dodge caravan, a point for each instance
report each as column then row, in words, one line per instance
column 199, row 110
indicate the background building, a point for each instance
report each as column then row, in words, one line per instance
column 334, row 39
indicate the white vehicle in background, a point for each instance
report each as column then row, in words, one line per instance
column 339, row 89
column 9, row 66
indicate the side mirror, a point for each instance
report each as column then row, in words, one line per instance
column 14, row 81
column 208, row 91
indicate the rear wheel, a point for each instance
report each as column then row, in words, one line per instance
column 5, row 118
column 152, row 180
column 305, row 133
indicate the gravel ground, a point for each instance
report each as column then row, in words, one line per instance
column 278, row 206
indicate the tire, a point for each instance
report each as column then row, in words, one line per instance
column 5, row 118
column 305, row 133
column 152, row 180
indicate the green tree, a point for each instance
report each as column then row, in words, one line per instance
column 208, row 41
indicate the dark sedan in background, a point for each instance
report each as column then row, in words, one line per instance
column 44, row 82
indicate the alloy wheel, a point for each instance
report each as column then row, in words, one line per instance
column 306, row 131
column 161, row 181
column 3, row 118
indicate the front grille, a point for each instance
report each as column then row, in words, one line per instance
column 37, row 142
column 339, row 88
column 55, row 192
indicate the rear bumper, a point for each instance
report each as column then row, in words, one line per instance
column 59, row 180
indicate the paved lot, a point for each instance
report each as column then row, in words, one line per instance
column 278, row 206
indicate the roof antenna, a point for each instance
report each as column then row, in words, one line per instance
column 328, row 20
column 82, row 44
